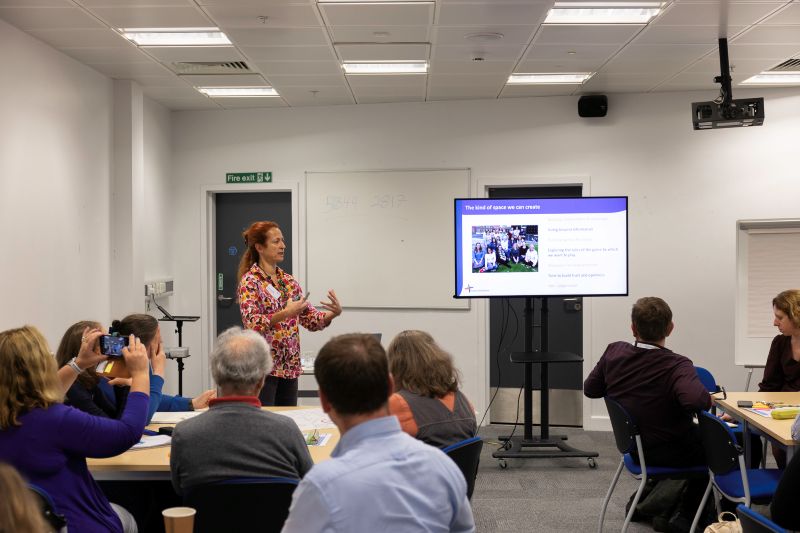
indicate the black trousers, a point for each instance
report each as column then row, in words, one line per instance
column 279, row 392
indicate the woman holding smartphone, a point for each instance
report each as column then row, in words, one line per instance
column 272, row 303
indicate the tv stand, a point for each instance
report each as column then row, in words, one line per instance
column 545, row 445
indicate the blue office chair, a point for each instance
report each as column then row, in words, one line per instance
column 48, row 507
column 467, row 455
column 241, row 505
column 753, row 522
column 708, row 381
column 728, row 474
column 628, row 439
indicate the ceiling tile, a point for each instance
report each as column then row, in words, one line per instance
column 684, row 34
column 43, row 18
column 788, row 15
column 560, row 65
column 458, row 35
column 170, row 92
column 471, row 67
column 186, row 104
column 460, row 92
column 380, row 34
column 278, row 16
column 36, row 3
column 221, row 80
column 238, row 103
column 90, row 56
column 521, row 91
column 278, row 37
column 280, row 80
column 770, row 35
column 586, row 34
column 399, row 82
column 495, row 81
column 492, row 13
column 383, row 52
column 174, row 54
column 134, row 3
column 378, row 14
column 289, row 53
column 153, row 17
column 299, row 67
column 303, row 96
column 468, row 52
column 566, row 52
column 715, row 14
column 82, row 38
column 130, row 70
column 762, row 51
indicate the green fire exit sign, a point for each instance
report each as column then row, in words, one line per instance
column 248, row 177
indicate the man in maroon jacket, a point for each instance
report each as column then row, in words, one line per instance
column 658, row 387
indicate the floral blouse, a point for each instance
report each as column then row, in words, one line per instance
column 257, row 303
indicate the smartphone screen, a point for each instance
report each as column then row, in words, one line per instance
column 112, row 346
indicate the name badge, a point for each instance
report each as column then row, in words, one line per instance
column 274, row 292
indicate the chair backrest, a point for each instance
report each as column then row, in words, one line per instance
column 707, row 379
column 722, row 452
column 624, row 426
column 753, row 522
column 48, row 507
column 241, row 504
column 467, row 455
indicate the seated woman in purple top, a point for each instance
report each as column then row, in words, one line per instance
column 49, row 442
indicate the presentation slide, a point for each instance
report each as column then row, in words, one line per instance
column 541, row 247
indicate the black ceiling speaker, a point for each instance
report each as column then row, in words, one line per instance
column 593, row 105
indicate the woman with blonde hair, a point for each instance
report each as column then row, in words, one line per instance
column 427, row 400
column 19, row 510
column 48, row 442
column 782, row 371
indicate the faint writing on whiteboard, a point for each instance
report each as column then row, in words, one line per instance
column 375, row 201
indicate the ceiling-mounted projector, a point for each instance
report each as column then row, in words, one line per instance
column 725, row 112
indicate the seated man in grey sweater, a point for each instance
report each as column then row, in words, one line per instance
column 235, row 438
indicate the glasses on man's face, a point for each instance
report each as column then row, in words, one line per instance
column 313, row 437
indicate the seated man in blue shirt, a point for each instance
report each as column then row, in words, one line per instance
column 378, row 478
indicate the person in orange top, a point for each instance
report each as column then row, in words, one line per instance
column 426, row 399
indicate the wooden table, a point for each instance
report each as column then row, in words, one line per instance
column 153, row 463
column 779, row 431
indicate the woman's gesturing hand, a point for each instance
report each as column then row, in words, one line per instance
column 332, row 307
column 89, row 354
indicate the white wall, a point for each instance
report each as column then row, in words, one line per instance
column 54, row 189
column 686, row 191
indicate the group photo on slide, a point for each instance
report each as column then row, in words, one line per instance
column 505, row 248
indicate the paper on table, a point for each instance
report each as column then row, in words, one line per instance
column 164, row 417
column 307, row 419
column 148, row 441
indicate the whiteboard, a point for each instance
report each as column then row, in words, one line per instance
column 383, row 238
column 768, row 260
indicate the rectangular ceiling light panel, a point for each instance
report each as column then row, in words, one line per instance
column 238, row 92
column 773, row 78
column 561, row 78
column 386, row 68
column 176, row 36
column 602, row 12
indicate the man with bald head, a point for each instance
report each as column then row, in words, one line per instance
column 235, row 438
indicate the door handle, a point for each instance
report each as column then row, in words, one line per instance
column 224, row 300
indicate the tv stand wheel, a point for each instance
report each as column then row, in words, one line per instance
column 592, row 462
column 503, row 464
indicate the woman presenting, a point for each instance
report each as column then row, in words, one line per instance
column 782, row 371
column 272, row 303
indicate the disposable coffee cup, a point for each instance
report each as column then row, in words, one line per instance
column 179, row 519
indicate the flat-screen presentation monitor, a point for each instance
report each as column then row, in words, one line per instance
column 541, row 247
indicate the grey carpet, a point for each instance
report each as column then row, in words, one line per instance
column 545, row 495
